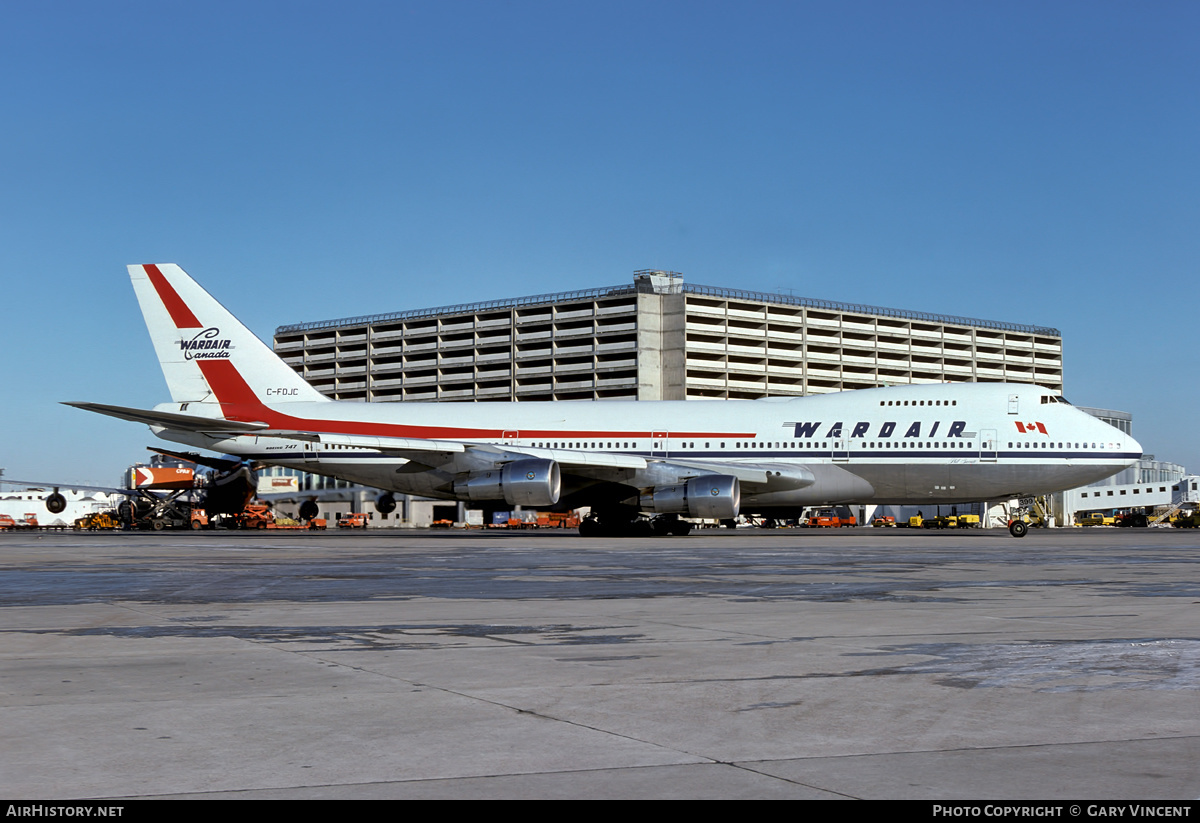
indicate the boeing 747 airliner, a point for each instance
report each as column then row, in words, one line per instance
column 626, row 460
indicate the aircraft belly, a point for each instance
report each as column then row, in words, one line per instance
column 972, row 480
column 832, row 484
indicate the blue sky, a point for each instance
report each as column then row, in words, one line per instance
column 1034, row 162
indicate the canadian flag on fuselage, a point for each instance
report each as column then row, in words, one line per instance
column 207, row 355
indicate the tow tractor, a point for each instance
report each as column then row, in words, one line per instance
column 98, row 521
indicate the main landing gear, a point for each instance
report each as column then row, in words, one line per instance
column 622, row 524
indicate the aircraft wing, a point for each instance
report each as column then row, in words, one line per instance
column 429, row 454
column 58, row 484
column 764, row 475
column 594, row 465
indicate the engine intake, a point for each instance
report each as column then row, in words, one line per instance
column 520, row 483
column 717, row 496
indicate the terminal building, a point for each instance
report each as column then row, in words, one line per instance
column 657, row 338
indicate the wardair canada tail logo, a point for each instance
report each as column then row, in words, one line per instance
column 207, row 345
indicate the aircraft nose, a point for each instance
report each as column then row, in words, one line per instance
column 1133, row 446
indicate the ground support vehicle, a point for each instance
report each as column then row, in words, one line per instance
column 831, row 518
column 540, row 520
column 98, row 521
column 353, row 520
column 885, row 522
column 1186, row 520
column 288, row 524
column 950, row 521
column 253, row 516
column 29, row 521
column 1133, row 519
column 149, row 511
column 942, row 521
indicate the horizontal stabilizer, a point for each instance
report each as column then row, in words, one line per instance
column 174, row 420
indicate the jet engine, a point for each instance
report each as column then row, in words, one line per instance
column 716, row 496
column 520, row 483
column 385, row 504
column 56, row 503
column 130, row 511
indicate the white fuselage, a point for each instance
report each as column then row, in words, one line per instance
column 906, row 444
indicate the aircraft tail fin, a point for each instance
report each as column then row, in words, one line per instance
column 207, row 355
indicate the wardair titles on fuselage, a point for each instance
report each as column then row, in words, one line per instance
column 956, row 429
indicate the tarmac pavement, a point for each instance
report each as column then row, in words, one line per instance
column 856, row 663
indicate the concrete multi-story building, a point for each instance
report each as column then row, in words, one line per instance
column 658, row 339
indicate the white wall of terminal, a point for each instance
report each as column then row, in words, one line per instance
column 20, row 504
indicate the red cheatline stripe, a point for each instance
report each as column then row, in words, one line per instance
column 180, row 313
column 238, row 402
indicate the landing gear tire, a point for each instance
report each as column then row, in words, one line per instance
column 680, row 528
column 670, row 524
column 639, row 528
column 1018, row 528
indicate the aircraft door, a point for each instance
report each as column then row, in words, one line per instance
column 658, row 444
column 841, row 450
column 988, row 447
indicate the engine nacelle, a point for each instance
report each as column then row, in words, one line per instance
column 520, row 483
column 129, row 511
column 56, row 503
column 385, row 504
column 717, row 496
